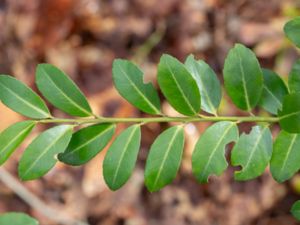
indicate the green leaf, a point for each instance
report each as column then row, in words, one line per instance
column 253, row 152
column 15, row 218
column 61, row 91
column 208, row 84
column 295, row 210
column 164, row 158
column 40, row 156
column 20, row 98
column 243, row 77
column 128, row 80
column 289, row 117
column 12, row 137
column 273, row 92
column 121, row 157
column 86, row 143
column 285, row 161
column 294, row 77
column 178, row 86
column 209, row 155
column 292, row 31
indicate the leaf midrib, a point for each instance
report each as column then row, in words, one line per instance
column 289, row 115
column 273, row 96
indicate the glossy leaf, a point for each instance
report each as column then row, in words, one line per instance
column 164, row 158
column 121, row 157
column 209, row 155
column 253, row 152
column 12, row 137
column 61, row 91
column 273, row 92
column 21, row 99
column 243, row 77
column 128, row 80
column 14, row 218
column 208, row 84
column 295, row 210
column 40, row 156
column 289, row 117
column 294, row 77
column 292, row 31
column 86, row 143
column 178, row 86
column 285, row 161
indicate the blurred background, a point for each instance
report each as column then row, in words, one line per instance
column 83, row 37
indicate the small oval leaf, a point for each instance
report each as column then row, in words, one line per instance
column 21, row 99
column 39, row 156
column 164, row 158
column 273, row 92
column 253, row 152
column 178, row 86
column 15, row 218
column 121, row 157
column 208, row 84
column 292, row 31
column 289, row 117
column 285, row 161
column 128, row 80
column 12, row 137
column 295, row 210
column 61, row 91
column 294, row 77
column 86, row 143
column 243, row 77
column 209, row 155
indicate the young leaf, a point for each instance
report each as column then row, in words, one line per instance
column 208, row 84
column 39, row 156
column 164, row 158
column 289, row 117
column 273, row 92
column 86, row 143
column 121, row 157
column 243, row 77
column 285, row 161
column 253, row 152
column 61, row 91
column 294, row 77
column 15, row 218
column 209, row 155
column 128, row 80
column 295, row 210
column 292, row 31
column 20, row 98
column 178, row 86
column 12, row 137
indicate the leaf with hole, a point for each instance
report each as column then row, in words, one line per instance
column 15, row 218
column 21, row 99
column 208, row 84
column 40, row 156
column 164, row 158
column 289, row 116
column 209, row 154
column 273, row 93
column 86, row 143
column 243, row 77
column 292, row 31
column 61, row 91
column 253, row 152
column 178, row 86
column 121, row 157
column 12, row 137
column 285, row 161
column 294, row 77
column 128, row 80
